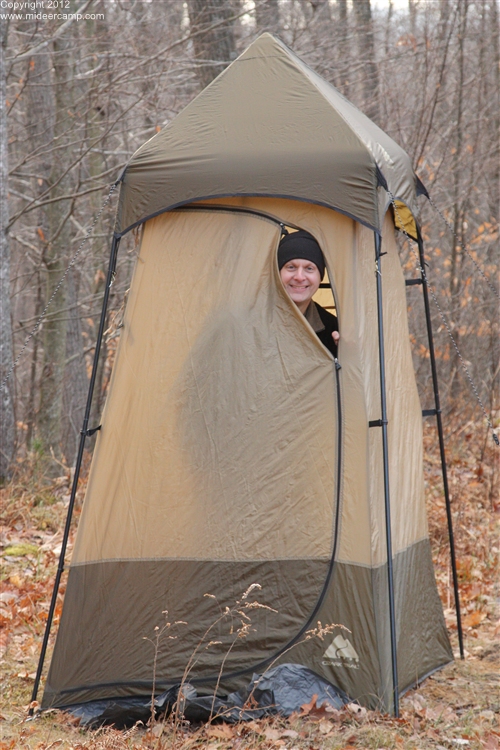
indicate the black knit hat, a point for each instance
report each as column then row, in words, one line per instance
column 300, row 244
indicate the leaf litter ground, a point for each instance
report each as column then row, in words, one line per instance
column 457, row 707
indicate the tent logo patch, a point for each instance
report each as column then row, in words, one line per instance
column 341, row 653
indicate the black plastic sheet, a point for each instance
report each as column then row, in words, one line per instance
column 280, row 691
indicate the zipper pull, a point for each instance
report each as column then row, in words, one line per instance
column 338, row 366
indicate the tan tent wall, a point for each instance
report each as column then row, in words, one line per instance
column 350, row 254
column 220, row 428
column 205, row 285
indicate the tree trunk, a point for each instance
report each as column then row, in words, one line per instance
column 214, row 48
column 40, row 130
column 458, row 204
column 99, row 42
column 75, row 385
column 267, row 16
column 494, row 195
column 7, row 420
column 54, row 340
column 366, row 45
column 388, row 28
column 344, row 57
column 30, row 417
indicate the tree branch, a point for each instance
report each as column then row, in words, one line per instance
column 34, row 50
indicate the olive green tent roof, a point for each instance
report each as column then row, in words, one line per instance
column 267, row 126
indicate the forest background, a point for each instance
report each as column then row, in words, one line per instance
column 78, row 97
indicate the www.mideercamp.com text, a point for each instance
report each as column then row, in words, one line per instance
column 35, row 8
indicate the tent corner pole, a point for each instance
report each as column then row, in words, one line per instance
column 84, row 432
column 439, row 424
column 385, row 454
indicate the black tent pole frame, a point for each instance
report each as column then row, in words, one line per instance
column 441, row 443
column 385, row 453
column 84, row 433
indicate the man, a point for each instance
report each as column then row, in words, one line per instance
column 302, row 266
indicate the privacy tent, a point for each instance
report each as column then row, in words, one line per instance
column 233, row 451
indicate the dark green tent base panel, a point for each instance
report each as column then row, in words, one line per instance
column 360, row 664
column 111, row 654
column 130, row 598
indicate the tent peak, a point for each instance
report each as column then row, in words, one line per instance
column 268, row 125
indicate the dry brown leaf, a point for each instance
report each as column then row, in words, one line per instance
column 271, row 734
column 307, row 707
column 474, row 619
column 490, row 742
column 487, row 714
column 358, row 711
column 315, row 712
column 291, row 733
column 26, row 675
column 221, row 731
column 335, row 715
column 325, row 727
column 432, row 714
column 254, row 726
column 433, row 734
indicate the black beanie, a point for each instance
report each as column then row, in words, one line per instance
column 300, row 244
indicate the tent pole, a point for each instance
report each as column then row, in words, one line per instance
column 441, row 444
column 84, row 432
column 385, row 452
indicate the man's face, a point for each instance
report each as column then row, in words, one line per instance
column 301, row 280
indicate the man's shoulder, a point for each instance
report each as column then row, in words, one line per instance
column 328, row 320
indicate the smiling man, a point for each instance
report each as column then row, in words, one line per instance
column 302, row 266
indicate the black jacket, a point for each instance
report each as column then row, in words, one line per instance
column 331, row 324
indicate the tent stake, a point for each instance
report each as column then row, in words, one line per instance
column 387, row 500
column 441, row 445
column 83, row 434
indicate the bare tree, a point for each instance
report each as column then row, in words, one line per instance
column 7, row 422
column 267, row 15
column 366, row 51
column 56, row 253
column 214, row 48
column 459, row 204
column 96, row 90
column 344, row 56
column 493, row 22
column 40, row 132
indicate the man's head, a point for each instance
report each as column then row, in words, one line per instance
column 302, row 266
